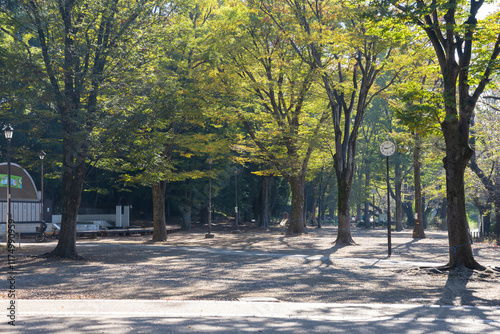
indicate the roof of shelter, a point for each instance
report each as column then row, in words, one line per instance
column 22, row 186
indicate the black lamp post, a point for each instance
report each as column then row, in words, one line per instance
column 8, row 131
column 209, row 232
column 236, row 229
column 41, row 155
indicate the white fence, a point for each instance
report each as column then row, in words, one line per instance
column 21, row 211
column 27, row 218
column 121, row 218
column 486, row 235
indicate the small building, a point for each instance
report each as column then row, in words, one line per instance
column 25, row 203
column 26, row 206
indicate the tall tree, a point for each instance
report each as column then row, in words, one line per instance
column 484, row 162
column 467, row 52
column 79, row 46
column 351, row 52
column 275, row 103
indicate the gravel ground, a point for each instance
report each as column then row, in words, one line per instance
column 258, row 264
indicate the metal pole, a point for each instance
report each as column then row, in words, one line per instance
column 388, row 210
column 41, row 197
column 8, row 185
column 236, row 198
column 210, row 199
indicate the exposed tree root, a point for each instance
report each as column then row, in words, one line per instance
column 342, row 242
column 472, row 266
column 463, row 272
column 294, row 234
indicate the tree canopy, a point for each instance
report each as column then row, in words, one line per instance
column 297, row 90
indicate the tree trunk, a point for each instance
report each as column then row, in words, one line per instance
column 458, row 154
column 297, row 216
column 186, row 210
column 455, row 54
column 204, row 215
column 306, row 199
column 487, row 222
column 497, row 223
column 367, row 200
column 442, row 215
column 408, row 210
column 358, row 214
column 398, row 184
column 72, row 182
column 264, row 206
column 344, row 229
column 159, row 223
column 418, row 229
column 314, row 210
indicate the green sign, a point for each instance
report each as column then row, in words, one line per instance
column 15, row 181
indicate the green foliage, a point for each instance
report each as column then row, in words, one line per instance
column 268, row 86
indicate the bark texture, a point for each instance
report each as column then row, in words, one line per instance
column 159, row 221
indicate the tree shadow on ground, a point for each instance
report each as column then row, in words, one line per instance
column 455, row 291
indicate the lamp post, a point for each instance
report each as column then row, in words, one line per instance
column 236, row 229
column 8, row 131
column 209, row 233
column 41, row 155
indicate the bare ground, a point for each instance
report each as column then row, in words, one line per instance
column 260, row 264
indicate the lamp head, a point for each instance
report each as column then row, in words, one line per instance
column 8, row 131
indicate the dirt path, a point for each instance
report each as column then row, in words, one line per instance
column 258, row 264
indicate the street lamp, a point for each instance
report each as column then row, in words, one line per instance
column 209, row 233
column 8, row 131
column 41, row 155
column 236, row 229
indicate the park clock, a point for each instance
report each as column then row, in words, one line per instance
column 387, row 148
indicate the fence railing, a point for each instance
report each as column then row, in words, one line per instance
column 477, row 235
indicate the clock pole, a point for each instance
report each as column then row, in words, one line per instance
column 388, row 209
column 387, row 148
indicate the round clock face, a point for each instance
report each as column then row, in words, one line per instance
column 387, row 148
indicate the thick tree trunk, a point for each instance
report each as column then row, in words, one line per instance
column 344, row 230
column 66, row 246
column 458, row 154
column 314, row 210
column 398, row 184
column 264, row 202
column 159, row 223
column 418, row 229
column 186, row 210
column 72, row 182
column 455, row 54
column 297, row 215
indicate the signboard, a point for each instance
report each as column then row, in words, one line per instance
column 15, row 181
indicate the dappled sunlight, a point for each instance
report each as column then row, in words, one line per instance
column 252, row 264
